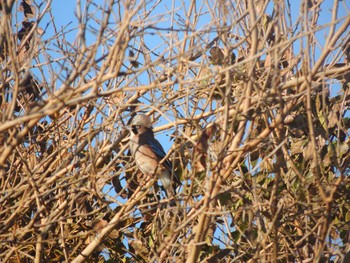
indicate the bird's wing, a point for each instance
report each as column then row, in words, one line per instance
column 159, row 151
column 157, row 148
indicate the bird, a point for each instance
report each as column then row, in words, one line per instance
column 148, row 152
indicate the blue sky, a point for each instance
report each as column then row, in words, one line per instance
column 64, row 14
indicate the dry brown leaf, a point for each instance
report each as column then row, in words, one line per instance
column 201, row 148
column 28, row 10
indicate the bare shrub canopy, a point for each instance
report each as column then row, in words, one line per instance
column 249, row 98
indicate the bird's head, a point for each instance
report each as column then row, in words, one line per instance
column 140, row 123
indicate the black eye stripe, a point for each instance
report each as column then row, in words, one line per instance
column 135, row 128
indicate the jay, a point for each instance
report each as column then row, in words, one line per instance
column 148, row 153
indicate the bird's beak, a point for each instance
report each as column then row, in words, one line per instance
column 126, row 128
